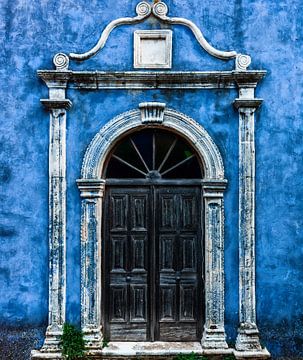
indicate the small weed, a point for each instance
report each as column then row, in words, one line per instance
column 73, row 344
column 104, row 343
column 229, row 357
column 191, row 356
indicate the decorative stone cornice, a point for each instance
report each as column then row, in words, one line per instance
column 141, row 80
column 91, row 188
column 251, row 104
column 50, row 104
column 152, row 112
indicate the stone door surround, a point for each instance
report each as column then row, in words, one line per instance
column 91, row 186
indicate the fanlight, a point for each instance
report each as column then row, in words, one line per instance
column 153, row 154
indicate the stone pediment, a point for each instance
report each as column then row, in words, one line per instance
column 159, row 10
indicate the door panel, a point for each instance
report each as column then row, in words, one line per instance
column 153, row 263
column 127, row 271
column 179, row 245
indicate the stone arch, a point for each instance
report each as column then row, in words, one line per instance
column 124, row 123
column 91, row 186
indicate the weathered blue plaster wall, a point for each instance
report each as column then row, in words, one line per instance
column 33, row 31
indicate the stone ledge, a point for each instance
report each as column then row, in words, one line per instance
column 157, row 351
column 151, row 348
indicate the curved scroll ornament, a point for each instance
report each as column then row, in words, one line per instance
column 160, row 11
column 143, row 10
column 61, row 61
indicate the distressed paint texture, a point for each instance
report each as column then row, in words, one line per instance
column 33, row 31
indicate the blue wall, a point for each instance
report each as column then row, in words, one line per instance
column 33, row 31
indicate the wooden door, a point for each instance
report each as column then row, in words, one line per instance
column 126, row 260
column 179, row 266
column 153, row 263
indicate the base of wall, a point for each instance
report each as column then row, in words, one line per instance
column 156, row 350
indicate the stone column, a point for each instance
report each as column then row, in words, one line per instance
column 92, row 195
column 57, row 220
column 214, row 333
column 248, row 334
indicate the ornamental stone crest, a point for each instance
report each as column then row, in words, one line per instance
column 160, row 11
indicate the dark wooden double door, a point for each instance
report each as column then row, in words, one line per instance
column 153, row 286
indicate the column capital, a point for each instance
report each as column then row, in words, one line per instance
column 91, row 188
column 51, row 104
column 214, row 189
column 251, row 104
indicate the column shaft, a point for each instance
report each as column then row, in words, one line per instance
column 214, row 332
column 248, row 334
column 92, row 194
column 57, row 223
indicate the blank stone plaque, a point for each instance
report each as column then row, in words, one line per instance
column 153, row 49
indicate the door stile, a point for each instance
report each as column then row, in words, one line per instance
column 105, row 264
column 153, row 275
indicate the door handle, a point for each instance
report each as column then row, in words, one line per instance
column 128, row 278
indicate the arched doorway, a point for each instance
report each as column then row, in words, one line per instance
column 199, row 177
column 152, row 239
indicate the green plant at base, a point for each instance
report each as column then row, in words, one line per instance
column 104, row 343
column 73, row 344
column 191, row 356
column 229, row 357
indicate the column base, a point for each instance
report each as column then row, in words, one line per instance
column 51, row 348
column 52, row 342
column 214, row 339
column 39, row 355
column 256, row 354
column 93, row 339
column 248, row 338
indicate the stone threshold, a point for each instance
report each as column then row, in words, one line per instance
column 157, row 350
column 151, row 348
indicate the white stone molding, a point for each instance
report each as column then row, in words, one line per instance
column 145, row 80
column 104, row 141
column 160, row 10
column 248, row 341
column 153, row 49
column 57, row 222
column 91, row 192
column 152, row 112
column 214, row 337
